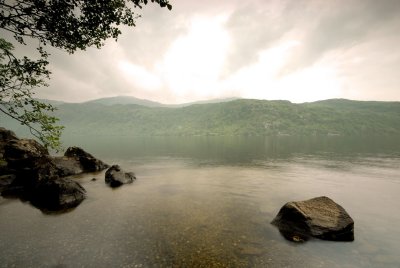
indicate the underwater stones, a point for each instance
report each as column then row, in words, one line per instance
column 116, row 177
column 318, row 217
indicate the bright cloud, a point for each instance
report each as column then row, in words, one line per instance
column 194, row 62
column 293, row 50
column 262, row 79
column 138, row 76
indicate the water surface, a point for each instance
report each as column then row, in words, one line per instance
column 208, row 202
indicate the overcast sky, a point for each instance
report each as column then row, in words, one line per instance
column 293, row 50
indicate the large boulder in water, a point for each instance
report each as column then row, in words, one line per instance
column 57, row 194
column 115, row 176
column 76, row 161
column 319, row 217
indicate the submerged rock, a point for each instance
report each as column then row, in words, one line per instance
column 115, row 176
column 319, row 217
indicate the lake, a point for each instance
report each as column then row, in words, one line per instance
column 208, row 202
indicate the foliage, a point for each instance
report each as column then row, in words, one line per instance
column 18, row 77
column 66, row 24
column 70, row 24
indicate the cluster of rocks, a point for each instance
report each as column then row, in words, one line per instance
column 28, row 172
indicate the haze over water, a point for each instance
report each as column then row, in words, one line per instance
column 208, row 202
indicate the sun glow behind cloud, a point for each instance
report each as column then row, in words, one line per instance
column 294, row 50
column 136, row 75
column 194, row 62
column 193, row 67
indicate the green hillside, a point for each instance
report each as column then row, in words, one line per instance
column 240, row 117
column 235, row 118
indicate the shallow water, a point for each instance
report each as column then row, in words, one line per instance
column 207, row 203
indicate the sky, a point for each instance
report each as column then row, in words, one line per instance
column 296, row 50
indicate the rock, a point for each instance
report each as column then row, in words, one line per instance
column 93, row 179
column 23, row 157
column 115, row 176
column 6, row 181
column 29, row 176
column 88, row 163
column 28, row 160
column 68, row 166
column 319, row 217
column 57, row 194
column 6, row 135
column 24, row 149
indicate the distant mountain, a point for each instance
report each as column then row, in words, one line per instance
column 124, row 100
column 335, row 117
column 52, row 102
column 203, row 102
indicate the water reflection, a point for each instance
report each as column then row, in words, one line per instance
column 238, row 150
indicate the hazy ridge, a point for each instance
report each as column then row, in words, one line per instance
column 228, row 118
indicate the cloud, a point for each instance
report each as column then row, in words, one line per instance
column 341, row 25
column 139, row 76
column 194, row 61
column 255, row 26
column 296, row 50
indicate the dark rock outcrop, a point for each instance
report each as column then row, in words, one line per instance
column 319, row 217
column 115, row 176
column 29, row 175
column 76, row 161
column 57, row 194
column 87, row 161
column 67, row 166
column 28, row 172
column 6, row 135
column 28, row 160
column 6, row 181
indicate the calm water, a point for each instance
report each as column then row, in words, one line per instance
column 208, row 203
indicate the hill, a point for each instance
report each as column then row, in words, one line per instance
column 234, row 118
column 124, row 100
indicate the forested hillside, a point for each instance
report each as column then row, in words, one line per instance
column 234, row 118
